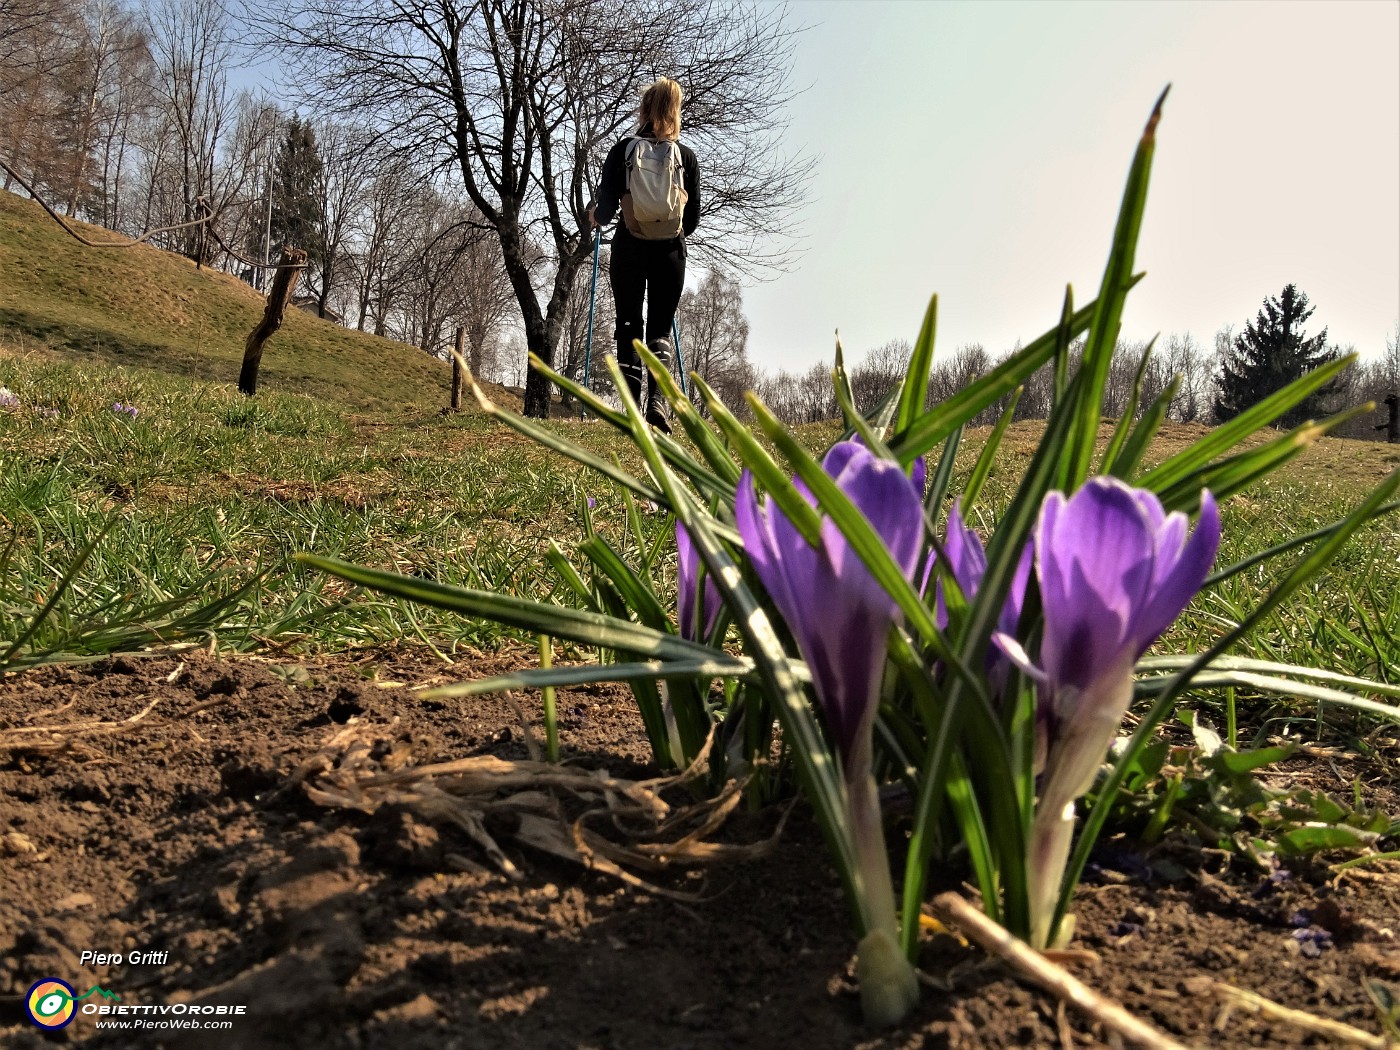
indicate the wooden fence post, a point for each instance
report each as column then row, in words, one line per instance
column 457, row 369
column 289, row 268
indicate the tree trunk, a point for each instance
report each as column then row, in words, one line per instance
column 457, row 370
column 289, row 268
column 325, row 286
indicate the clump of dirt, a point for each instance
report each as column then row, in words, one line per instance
column 161, row 810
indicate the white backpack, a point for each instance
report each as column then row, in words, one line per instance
column 654, row 203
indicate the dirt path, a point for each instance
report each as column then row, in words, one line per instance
column 182, row 838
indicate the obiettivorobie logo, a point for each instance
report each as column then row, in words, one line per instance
column 51, row 1003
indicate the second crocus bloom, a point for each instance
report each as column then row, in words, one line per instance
column 1114, row 571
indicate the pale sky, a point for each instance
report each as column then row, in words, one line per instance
column 979, row 150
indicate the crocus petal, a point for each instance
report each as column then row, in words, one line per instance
column 840, row 454
column 686, row 571
column 1016, row 598
column 755, row 526
column 966, row 561
column 1176, row 582
column 887, row 497
column 1095, row 558
column 836, row 611
column 1016, row 653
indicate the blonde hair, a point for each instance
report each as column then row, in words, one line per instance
column 661, row 108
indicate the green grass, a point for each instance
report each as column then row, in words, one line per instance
column 205, row 480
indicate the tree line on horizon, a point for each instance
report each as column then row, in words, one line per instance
column 1215, row 383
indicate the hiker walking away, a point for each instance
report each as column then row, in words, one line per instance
column 655, row 182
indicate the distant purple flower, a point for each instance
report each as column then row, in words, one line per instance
column 127, row 410
column 836, row 611
column 592, row 502
column 1115, row 570
column 47, row 413
column 8, row 398
column 968, row 564
column 687, row 577
column 1313, row 941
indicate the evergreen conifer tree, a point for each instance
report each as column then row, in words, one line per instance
column 297, row 218
column 1270, row 353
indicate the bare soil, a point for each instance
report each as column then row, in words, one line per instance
column 185, row 831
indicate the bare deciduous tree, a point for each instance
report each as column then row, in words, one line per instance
column 193, row 50
column 524, row 97
column 879, row 372
column 714, row 335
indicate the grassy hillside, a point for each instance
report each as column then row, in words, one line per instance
column 150, row 308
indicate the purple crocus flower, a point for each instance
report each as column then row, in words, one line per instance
column 836, row 611
column 1115, row 570
column 841, row 620
column 687, row 579
column 968, row 563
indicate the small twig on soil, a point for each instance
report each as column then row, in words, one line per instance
column 207, row 704
column 1272, row 1011
column 1034, row 967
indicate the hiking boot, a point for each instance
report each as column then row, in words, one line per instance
column 656, row 405
column 656, row 415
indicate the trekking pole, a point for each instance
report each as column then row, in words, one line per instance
column 592, row 306
column 680, row 361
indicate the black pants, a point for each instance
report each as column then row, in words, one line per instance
column 650, row 272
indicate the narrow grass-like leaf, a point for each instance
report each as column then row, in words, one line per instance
column 1269, row 684
column 1240, row 471
column 1125, row 422
column 577, row 625
column 766, row 472
column 568, row 573
column 1272, row 668
column 562, row 445
column 943, row 475
column 938, row 422
column 56, row 594
column 1244, row 564
column 1108, row 313
column 856, row 423
column 913, row 395
column 640, row 598
column 1064, row 336
column 699, row 432
column 587, row 674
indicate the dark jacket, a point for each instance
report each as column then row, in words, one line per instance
column 614, row 185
